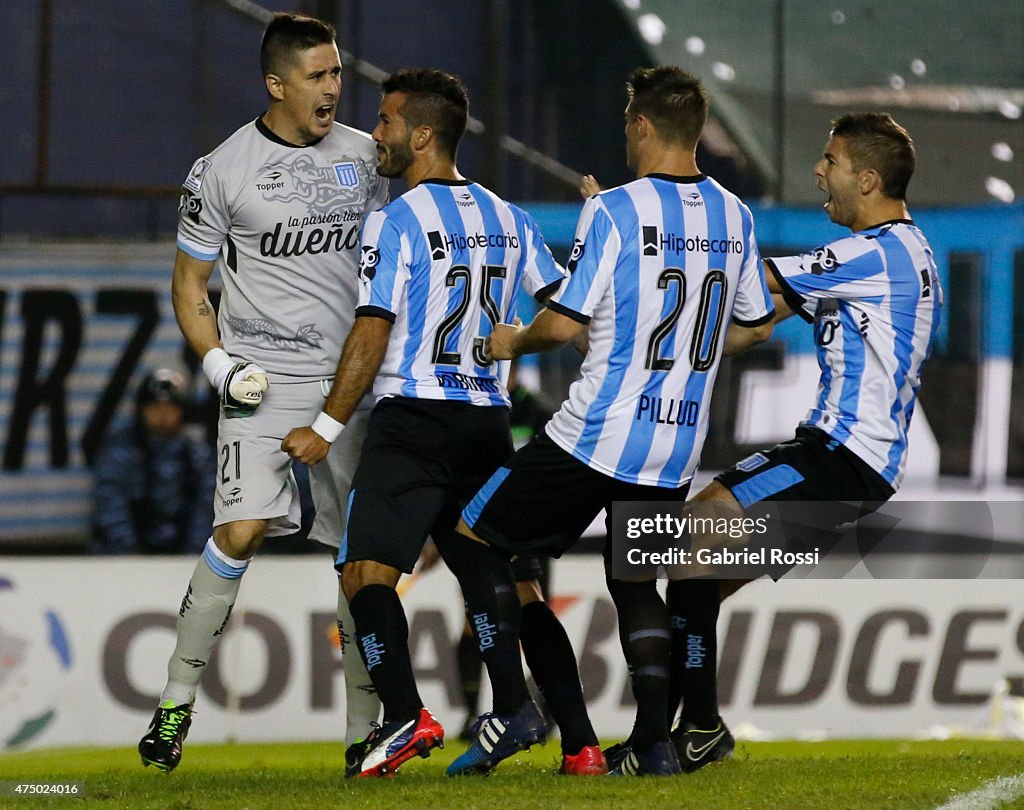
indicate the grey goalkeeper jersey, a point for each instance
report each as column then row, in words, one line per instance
column 282, row 223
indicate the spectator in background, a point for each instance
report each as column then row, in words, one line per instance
column 153, row 478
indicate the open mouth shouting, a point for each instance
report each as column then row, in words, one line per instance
column 324, row 114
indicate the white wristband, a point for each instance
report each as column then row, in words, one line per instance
column 326, row 427
column 216, row 365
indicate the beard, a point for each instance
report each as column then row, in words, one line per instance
column 396, row 160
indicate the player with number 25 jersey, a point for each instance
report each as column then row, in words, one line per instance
column 439, row 268
column 444, row 263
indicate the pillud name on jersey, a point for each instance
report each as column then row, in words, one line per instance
column 660, row 268
column 444, row 263
column 282, row 222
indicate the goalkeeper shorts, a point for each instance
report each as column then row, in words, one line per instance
column 254, row 476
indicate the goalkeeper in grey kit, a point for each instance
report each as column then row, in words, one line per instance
column 276, row 209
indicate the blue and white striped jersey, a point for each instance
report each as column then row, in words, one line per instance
column 875, row 301
column 444, row 263
column 658, row 268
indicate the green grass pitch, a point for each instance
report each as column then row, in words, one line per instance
column 835, row 775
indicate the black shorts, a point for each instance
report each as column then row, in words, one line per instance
column 422, row 461
column 543, row 499
column 816, row 469
column 810, row 467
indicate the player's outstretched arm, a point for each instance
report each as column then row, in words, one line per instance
column 581, row 340
column 360, row 361
column 782, row 308
column 740, row 338
column 501, row 343
column 549, row 330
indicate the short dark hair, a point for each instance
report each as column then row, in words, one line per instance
column 286, row 35
column 435, row 98
column 672, row 99
column 876, row 141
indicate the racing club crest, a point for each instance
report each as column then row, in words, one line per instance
column 347, row 175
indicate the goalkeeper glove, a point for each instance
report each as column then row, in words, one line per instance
column 244, row 386
column 240, row 385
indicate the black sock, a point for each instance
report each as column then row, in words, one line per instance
column 676, row 684
column 552, row 662
column 492, row 608
column 644, row 630
column 382, row 636
column 693, row 605
column 470, row 669
column 675, row 680
column 624, row 646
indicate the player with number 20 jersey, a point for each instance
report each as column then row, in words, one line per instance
column 659, row 268
column 665, row 273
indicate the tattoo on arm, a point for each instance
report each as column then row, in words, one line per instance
column 203, row 309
